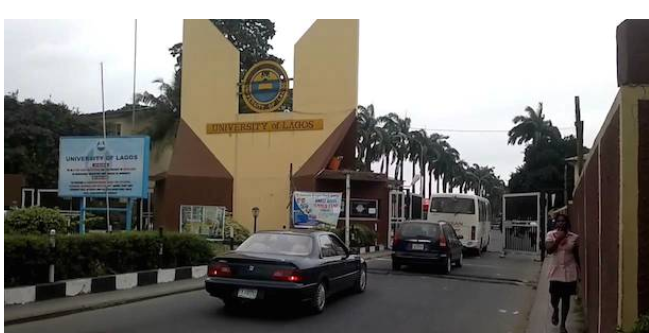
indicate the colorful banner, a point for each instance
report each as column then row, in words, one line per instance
column 311, row 209
column 94, row 167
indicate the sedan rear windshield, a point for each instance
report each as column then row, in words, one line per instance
column 452, row 205
column 419, row 230
column 285, row 244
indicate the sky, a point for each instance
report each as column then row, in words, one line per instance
column 465, row 78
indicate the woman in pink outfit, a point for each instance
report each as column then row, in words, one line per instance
column 564, row 268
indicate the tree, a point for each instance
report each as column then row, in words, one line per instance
column 399, row 130
column 436, row 144
column 32, row 132
column 544, row 156
column 532, row 127
column 250, row 37
column 418, row 152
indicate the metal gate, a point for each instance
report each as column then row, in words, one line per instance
column 521, row 223
column 397, row 214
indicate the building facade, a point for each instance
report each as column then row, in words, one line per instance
column 222, row 157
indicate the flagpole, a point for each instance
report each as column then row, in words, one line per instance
column 134, row 73
column 103, row 112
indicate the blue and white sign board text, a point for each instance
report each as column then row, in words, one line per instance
column 94, row 167
column 311, row 209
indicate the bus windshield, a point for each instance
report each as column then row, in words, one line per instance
column 452, row 205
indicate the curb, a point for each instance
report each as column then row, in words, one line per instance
column 104, row 305
column 76, row 287
column 370, row 249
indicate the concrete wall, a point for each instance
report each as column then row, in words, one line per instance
column 325, row 87
column 607, row 213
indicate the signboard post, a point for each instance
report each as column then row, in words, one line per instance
column 115, row 167
column 311, row 209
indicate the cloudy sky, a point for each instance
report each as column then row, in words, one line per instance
column 464, row 78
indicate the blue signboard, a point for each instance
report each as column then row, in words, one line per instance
column 94, row 167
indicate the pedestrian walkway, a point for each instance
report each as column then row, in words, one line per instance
column 539, row 321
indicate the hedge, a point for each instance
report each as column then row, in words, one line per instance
column 27, row 257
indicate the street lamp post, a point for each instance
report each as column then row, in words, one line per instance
column 255, row 214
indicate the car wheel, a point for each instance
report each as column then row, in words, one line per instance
column 447, row 267
column 362, row 280
column 319, row 298
column 458, row 263
column 396, row 266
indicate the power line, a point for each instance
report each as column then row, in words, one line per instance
column 459, row 130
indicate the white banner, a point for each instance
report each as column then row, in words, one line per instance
column 311, row 209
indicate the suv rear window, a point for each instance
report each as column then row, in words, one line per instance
column 419, row 230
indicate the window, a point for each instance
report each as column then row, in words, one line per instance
column 419, row 230
column 452, row 205
column 450, row 233
column 271, row 243
column 338, row 246
column 327, row 247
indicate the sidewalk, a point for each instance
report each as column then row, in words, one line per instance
column 63, row 306
column 539, row 320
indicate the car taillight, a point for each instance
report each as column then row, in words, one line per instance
column 473, row 233
column 395, row 241
column 442, row 239
column 219, row 269
column 288, row 275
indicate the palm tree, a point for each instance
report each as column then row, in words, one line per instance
column 436, row 144
column 163, row 127
column 368, row 136
column 417, row 153
column 459, row 176
column 399, row 130
column 483, row 177
column 532, row 127
column 444, row 166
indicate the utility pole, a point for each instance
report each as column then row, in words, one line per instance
column 348, row 187
column 579, row 129
column 565, row 184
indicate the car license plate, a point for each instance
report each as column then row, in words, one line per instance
column 247, row 293
column 417, row 247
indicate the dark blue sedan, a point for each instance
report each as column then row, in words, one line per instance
column 297, row 265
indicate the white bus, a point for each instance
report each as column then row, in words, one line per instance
column 470, row 216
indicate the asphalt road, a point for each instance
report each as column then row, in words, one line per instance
column 472, row 299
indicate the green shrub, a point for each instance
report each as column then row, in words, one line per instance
column 240, row 232
column 35, row 220
column 640, row 326
column 27, row 257
column 360, row 235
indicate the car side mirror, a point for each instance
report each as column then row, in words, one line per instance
column 460, row 237
column 354, row 250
